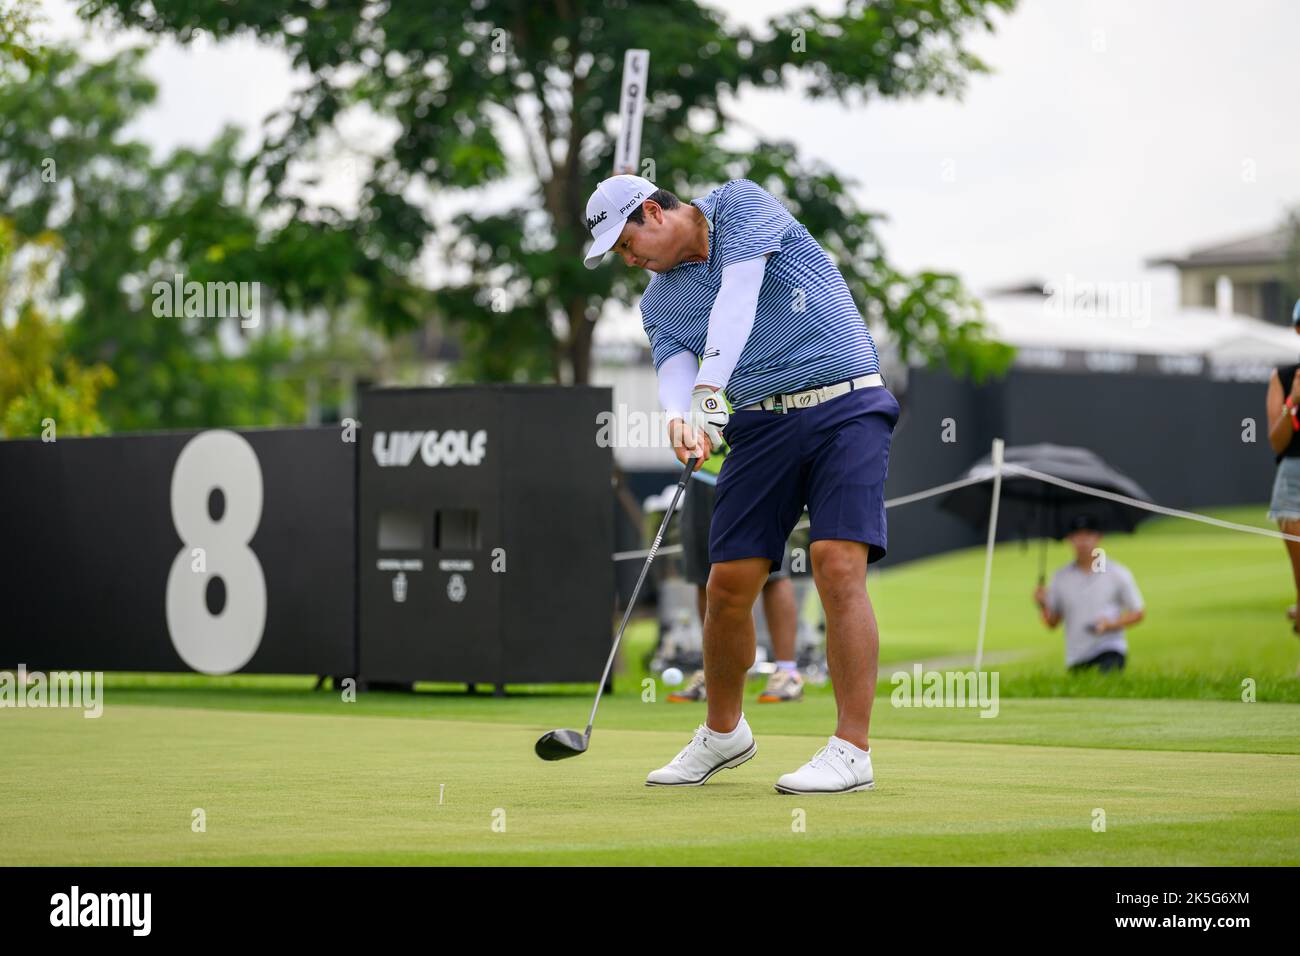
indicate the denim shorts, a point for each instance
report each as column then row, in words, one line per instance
column 832, row 458
column 1285, row 504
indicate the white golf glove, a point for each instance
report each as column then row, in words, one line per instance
column 709, row 414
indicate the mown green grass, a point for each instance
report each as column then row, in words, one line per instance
column 284, row 788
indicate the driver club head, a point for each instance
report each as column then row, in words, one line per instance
column 559, row 744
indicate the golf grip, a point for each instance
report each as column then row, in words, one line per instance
column 631, row 603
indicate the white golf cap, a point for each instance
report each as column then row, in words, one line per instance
column 607, row 211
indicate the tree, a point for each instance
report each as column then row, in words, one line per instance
column 16, row 43
column 38, row 383
column 459, row 81
column 127, row 225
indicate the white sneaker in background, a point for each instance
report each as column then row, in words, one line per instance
column 705, row 755
column 782, row 686
column 839, row 767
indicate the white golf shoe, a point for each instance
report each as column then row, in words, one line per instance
column 705, row 755
column 836, row 768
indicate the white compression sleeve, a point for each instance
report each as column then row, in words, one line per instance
column 731, row 320
column 676, row 379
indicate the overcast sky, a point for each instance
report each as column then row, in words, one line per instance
column 1109, row 131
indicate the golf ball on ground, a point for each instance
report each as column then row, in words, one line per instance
column 672, row 677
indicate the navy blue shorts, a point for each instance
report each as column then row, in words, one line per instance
column 832, row 458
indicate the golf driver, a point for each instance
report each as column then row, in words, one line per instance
column 559, row 744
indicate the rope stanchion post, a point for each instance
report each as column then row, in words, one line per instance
column 998, row 446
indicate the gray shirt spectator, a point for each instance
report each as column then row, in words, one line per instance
column 1097, row 599
column 1087, row 601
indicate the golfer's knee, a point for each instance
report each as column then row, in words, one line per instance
column 733, row 586
column 839, row 568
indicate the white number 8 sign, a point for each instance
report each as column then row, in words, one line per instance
column 223, row 642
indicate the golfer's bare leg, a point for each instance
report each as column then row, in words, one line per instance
column 852, row 641
column 729, row 636
column 782, row 617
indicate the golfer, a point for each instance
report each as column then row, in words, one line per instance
column 744, row 300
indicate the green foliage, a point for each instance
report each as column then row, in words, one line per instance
column 39, row 384
column 126, row 222
column 62, row 404
column 17, row 17
column 460, row 81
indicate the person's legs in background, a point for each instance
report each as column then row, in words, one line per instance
column 1108, row 661
column 1104, row 662
column 779, row 611
column 1292, row 526
column 782, row 618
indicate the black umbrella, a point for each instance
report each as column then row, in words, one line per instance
column 1031, row 507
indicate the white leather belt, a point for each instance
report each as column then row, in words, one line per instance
column 793, row 401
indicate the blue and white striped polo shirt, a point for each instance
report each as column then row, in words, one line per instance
column 807, row 329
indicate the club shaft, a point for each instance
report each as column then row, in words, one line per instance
column 645, row 568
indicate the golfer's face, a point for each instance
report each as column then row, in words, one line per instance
column 647, row 246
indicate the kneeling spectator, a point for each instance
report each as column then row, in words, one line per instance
column 1095, row 604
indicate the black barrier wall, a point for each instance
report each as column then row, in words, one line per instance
column 98, row 561
column 485, row 532
column 1180, row 437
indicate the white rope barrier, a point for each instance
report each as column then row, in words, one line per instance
column 1146, row 505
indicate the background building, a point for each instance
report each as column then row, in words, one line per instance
column 1257, row 275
